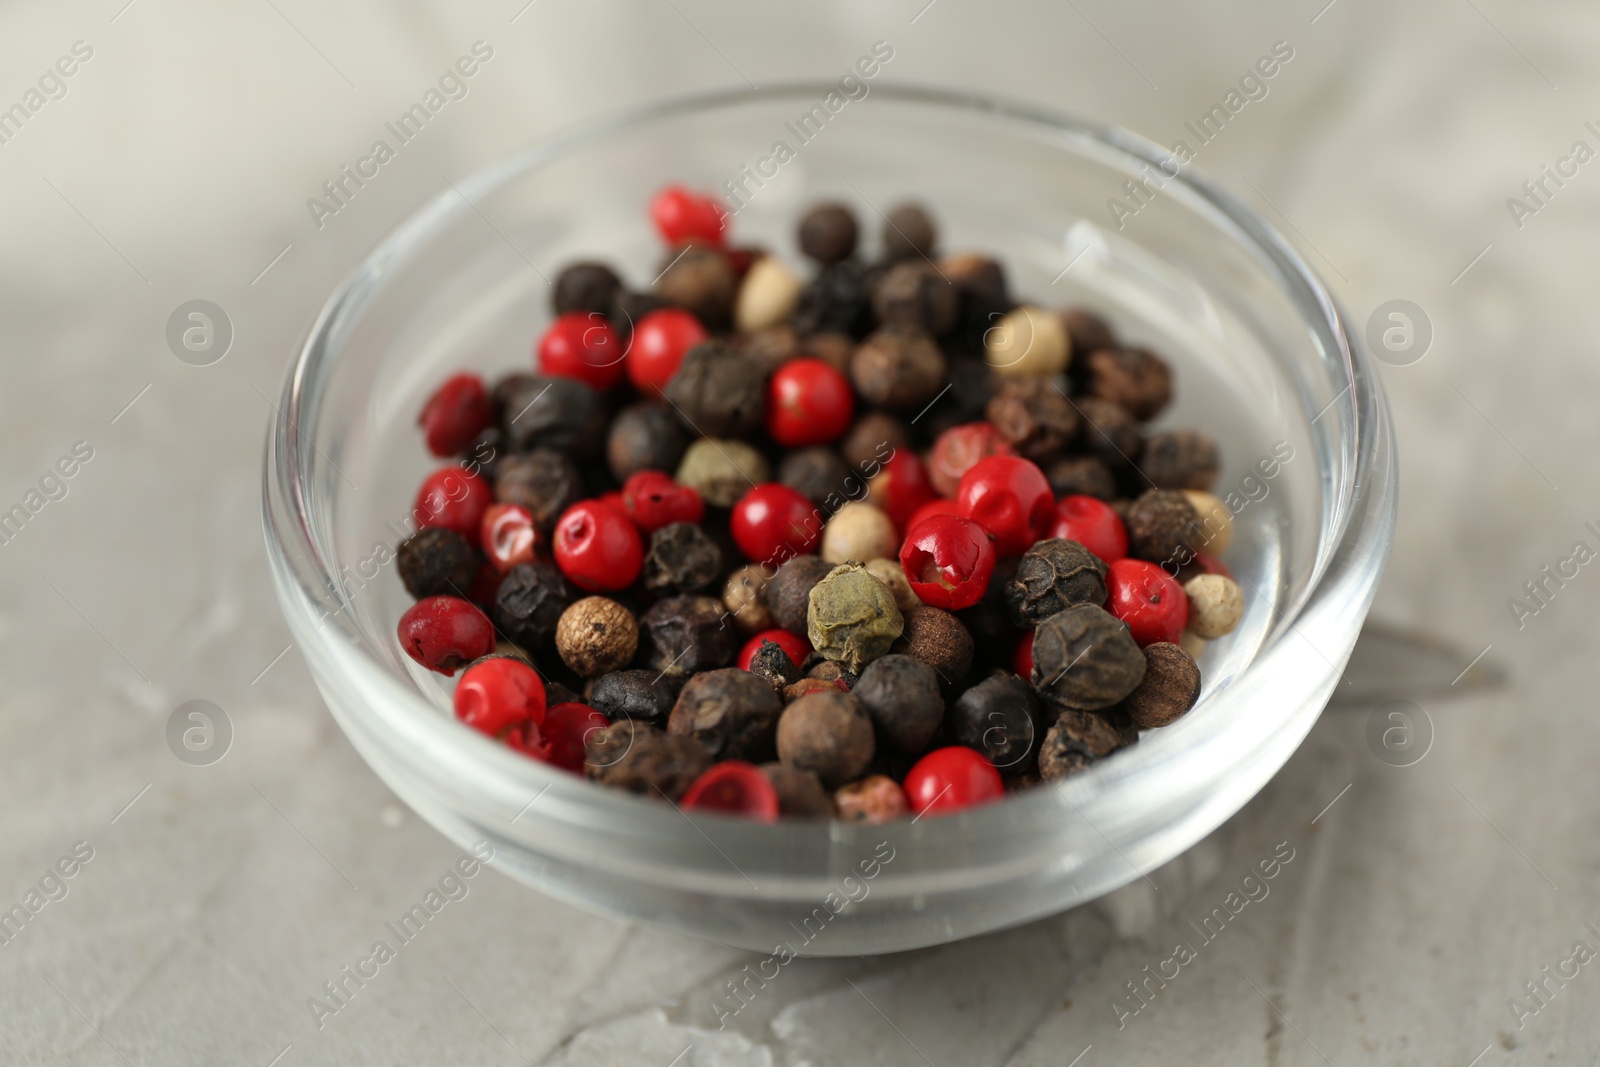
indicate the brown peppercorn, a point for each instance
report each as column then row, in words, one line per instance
column 901, row 695
column 1170, row 687
column 770, row 348
column 700, row 281
column 1034, row 416
column 828, row 734
column 1085, row 658
column 1110, row 432
column 998, row 717
column 913, row 295
column 596, row 635
column 1085, row 475
column 828, row 233
column 834, row 349
column 585, row 287
column 562, row 414
column 852, row 617
column 1182, row 459
column 909, row 231
column 529, row 603
column 630, row 695
column 1161, row 523
column 744, row 597
column 900, row 371
column 644, row 436
column 639, row 758
column 800, row 793
column 938, row 639
column 717, row 392
column 772, row 665
column 721, row 471
column 732, row 712
column 981, row 281
column 806, row 686
column 687, row 634
column 1053, row 575
column 816, row 473
column 435, row 561
column 681, row 559
column 875, row 799
column 1136, row 378
column 788, row 594
column 1078, row 739
column 873, row 439
column 544, row 481
column 1089, row 332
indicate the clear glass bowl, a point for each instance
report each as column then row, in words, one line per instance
column 1263, row 360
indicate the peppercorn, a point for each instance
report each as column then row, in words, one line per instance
column 1136, row 378
column 586, row 287
column 828, row 734
column 1089, row 332
column 1081, row 476
column 828, row 233
column 988, row 620
column 1034, row 416
column 800, row 793
column 972, row 385
column 998, row 717
column 744, row 597
column 1181, row 459
column 1161, row 523
column 788, row 594
column 1052, row 576
column 628, row 308
column 632, row 695
column 816, row 473
column 834, row 349
column 717, row 392
column 435, row 561
column 645, row 436
column 901, row 696
column 1110, row 432
column 829, row 671
column 687, row 634
column 596, row 635
column 1215, row 605
column 772, row 665
column 553, row 412
column 893, row 576
column 858, row 531
column 767, row 295
column 873, row 439
column 980, row 280
column 898, row 370
column 770, row 348
column 937, row 638
column 1085, row 658
column 699, row 280
column 873, row 800
column 1170, row 687
column 722, row 471
column 835, row 301
column 913, row 295
column 639, row 758
column 1078, row 739
column 805, row 687
column 681, row 559
column 485, row 452
column 529, row 603
column 909, row 231
column 732, row 712
column 852, row 617
column 1028, row 342
column 544, row 481
column 1215, row 532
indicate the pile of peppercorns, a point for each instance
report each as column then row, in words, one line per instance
column 882, row 542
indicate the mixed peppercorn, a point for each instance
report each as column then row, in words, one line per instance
column 883, row 543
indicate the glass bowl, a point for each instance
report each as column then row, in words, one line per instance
column 1263, row 362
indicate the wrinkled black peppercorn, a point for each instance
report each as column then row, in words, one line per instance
column 559, row 413
column 682, row 559
column 1137, row 379
column 1182, row 459
column 828, row 233
column 835, row 301
column 1053, row 575
column 436, row 562
column 1109, row 432
column 686, row 634
column 998, row 717
column 586, row 287
column 528, row 605
column 641, row 759
column 1161, row 524
column 901, row 694
column 816, row 473
column 732, row 712
column 645, row 436
column 1077, row 740
column 1034, row 416
column 913, row 295
column 544, row 481
column 788, row 595
column 1081, row 475
column 717, row 391
column 632, row 695
column 1085, row 658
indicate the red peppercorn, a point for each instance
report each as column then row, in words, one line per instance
column 653, row 500
column 1147, row 598
column 938, row 506
column 455, row 499
column 444, row 632
column 498, row 694
column 948, row 560
column 528, row 738
column 598, row 547
column 566, row 728
column 508, row 535
column 1093, row 525
column 808, row 403
column 950, row 779
column 733, row 787
column 1010, row 498
column 1022, row 658
column 659, row 341
column 902, row 488
column 958, row 448
column 797, row 647
column 455, row 414
column 582, row 345
column 772, row 523
column 682, row 215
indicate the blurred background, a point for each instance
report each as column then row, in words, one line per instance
column 1432, row 912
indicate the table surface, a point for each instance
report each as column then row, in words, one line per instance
column 174, row 164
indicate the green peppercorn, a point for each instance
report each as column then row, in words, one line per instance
column 852, row 617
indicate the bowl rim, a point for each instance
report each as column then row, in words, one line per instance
column 1361, row 521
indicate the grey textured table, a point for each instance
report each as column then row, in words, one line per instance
column 175, row 162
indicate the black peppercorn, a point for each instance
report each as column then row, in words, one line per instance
column 632, row 695
column 1078, row 739
column 586, row 287
column 998, row 717
column 770, row 348
column 645, row 436
column 628, row 308
column 800, row 793
column 544, row 481
column 788, row 594
column 484, row 454
column 1088, row 331
column 528, row 604
column 1085, row 658
column 682, row 559
column 835, row 301
column 871, row 441
column 1034, row 417
column 717, row 391
column 972, row 384
column 937, row 638
column 1081, row 475
column 1171, row 686
column 687, row 634
column 901, row 695
column 700, row 281
column 1109, row 432
column 1182, row 459
column 1161, row 526
column 732, row 712
column 436, row 562
column 552, row 412
column 1052, row 576
column 827, row 733
column 772, row 665
column 816, row 473
column 828, row 233
column 909, row 231
column 1137, row 379
column 898, row 370
column 988, row 620
column 637, row 757
column 913, row 295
